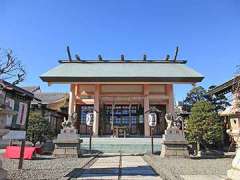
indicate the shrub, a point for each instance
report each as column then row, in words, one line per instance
column 203, row 127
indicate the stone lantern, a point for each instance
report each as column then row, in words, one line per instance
column 234, row 113
column 4, row 112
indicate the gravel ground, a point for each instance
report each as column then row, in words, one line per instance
column 43, row 168
column 172, row 168
column 167, row 168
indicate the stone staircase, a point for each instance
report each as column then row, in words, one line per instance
column 125, row 145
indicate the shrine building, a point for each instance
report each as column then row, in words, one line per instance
column 121, row 92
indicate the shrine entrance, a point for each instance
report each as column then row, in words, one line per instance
column 124, row 117
column 122, row 120
column 121, row 116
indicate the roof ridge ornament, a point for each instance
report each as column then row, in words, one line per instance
column 69, row 54
column 122, row 58
column 78, row 57
column 144, row 57
column 167, row 57
column 100, row 57
column 176, row 54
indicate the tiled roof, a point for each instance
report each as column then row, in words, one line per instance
column 45, row 97
column 32, row 89
column 48, row 98
column 224, row 88
column 9, row 87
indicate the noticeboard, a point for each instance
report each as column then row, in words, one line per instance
column 15, row 135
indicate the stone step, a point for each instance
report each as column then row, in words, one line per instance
column 125, row 145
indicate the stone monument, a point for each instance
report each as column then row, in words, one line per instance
column 174, row 143
column 68, row 141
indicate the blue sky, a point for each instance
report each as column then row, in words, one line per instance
column 207, row 32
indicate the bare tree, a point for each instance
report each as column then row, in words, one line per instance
column 11, row 69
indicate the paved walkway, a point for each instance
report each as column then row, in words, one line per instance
column 120, row 167
column 201, row 177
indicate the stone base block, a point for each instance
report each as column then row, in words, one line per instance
column 174, row 144
column 67, row 148
column 233, row 174
column 174, row 150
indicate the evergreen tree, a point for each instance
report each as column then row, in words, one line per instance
column 200, row 94
column 38, row 128
column 220, row 102
column 194, row 95
column 203, row 126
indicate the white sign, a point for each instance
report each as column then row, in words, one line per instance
column 17, row 135
column 22, row 113
column 89, row 119
column 9, row 102
column 152, row 119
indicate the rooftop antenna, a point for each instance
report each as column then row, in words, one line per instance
column 176, row 53
column 144, row 57
column 69, row 53
column 122, row 57
column 100, row 58
column 78, row 57
column 167, row 57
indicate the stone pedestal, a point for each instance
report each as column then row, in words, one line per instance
column 3, row 173
column 174, row 144
column 234, row 172
column 67, row 143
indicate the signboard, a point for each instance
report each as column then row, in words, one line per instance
column 89, row 119
column 15, row 135
column 152, row 119
column 22, row 113
column 2, row 96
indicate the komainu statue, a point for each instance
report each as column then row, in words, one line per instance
column 169, row 118
column 174, row 121
column 174, row 143
column 68, row 141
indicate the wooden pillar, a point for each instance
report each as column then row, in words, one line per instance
column 71, row 100
column 96, row 110
column 76, row 87
column 170, row 94
column 146, row 109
